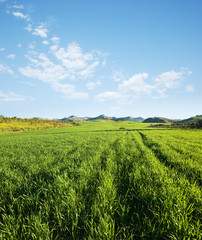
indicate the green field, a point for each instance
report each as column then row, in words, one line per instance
column 101, row 180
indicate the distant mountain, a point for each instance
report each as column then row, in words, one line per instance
column 131, row 119
column 104, row 117
column 158, row 120
column 75, row 119
column 101, row 117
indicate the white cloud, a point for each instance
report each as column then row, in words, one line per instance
column 108, row 95
column 68, row 91
column 27, row 83
column 29, row 28
column 77, row 63
column 104, row 62
column 128, row 90
column 92, row 85
column 11, row 97
column 118, row 76
column 19, row 45
column 119, row 97
column 2, row 49
column 160, row 93
column 136, row 86
column 5, row 69
column 89, row 70
column 169, row 79
column 189, row 88
column 21, row 15
column 41, row 31
column 55, row 39
column 185, row 71
column 11, row 56
column 44, row 69
column 3, row 0
column 31, row 45
column 69, row 63
column 18, row 6
column 72, row 52
column 45, row 42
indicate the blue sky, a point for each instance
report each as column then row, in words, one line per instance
column 114, row 57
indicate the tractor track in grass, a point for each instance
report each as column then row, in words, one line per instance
column 150, row 186
column 94, row 185
column 191, row 172
column 184, row 148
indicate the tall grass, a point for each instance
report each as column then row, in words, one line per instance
column 91, row 182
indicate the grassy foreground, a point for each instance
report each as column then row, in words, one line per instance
column 113, row 180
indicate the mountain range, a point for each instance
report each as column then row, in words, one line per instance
column 74, row 118
column 190, row 120
column 103, row 117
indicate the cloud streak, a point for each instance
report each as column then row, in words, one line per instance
column 21, row 15
column 11, row 56
column 189, row 88
column 11, row 97
column 5, row 69
column 92, row 85
column 68, row 91
column 18, row 6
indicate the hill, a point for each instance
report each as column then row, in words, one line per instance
column 192, row 120
column 102, row 117
column 75, row 119
column 131, row 119
column 158, row 120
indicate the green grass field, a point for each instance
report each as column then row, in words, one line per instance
column 101, row 180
